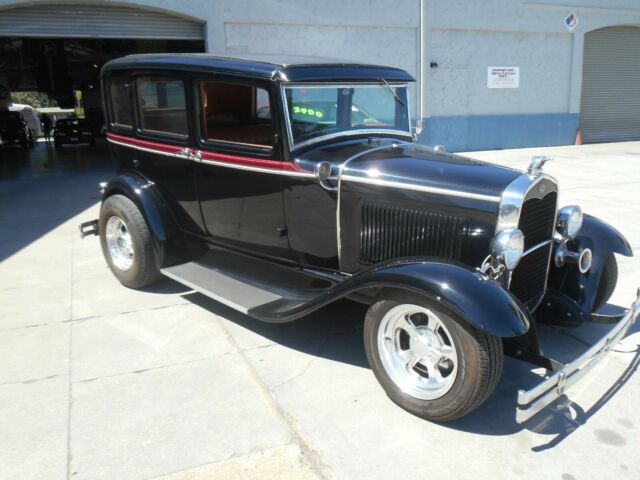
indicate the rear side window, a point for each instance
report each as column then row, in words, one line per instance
column 120, row 95
column 162, row 105
column 236, row 113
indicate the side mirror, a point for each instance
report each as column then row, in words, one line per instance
column 417, row 129
column 323, row 172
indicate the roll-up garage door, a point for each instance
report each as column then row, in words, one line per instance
column 96, row 21
column 610, row 107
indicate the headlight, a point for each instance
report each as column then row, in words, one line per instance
column 569, row 221
column 507, row 247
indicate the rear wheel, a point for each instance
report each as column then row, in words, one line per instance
column 126, row 243
column 429, row 361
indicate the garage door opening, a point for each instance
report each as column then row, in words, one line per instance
column 610, row 106
column 59, row 49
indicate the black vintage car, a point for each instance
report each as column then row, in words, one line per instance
column 14, row 129
column 72, row 131
column 279, row 185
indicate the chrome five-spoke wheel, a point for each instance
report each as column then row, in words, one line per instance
column 417, row 351
column 430, row 360
column 119, row 243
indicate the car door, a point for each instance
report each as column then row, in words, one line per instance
column 163, row 126
column 238, row 174
column 148, row 133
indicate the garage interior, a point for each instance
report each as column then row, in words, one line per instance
column 60, row 49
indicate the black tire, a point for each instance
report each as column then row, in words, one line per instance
column 480, row 359
column 144, row 269
column 608, row 282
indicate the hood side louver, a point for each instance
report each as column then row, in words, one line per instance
column 389, row 232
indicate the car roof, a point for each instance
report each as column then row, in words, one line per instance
column 287, row 68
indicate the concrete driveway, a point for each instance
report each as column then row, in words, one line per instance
column 101, row 382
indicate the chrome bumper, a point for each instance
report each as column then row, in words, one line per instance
column 530, row 402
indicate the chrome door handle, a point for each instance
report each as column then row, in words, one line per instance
column 184, row 153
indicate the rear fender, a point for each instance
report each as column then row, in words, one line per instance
column 168, row 240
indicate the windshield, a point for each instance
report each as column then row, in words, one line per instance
column 318, row 110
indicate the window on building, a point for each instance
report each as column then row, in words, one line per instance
column 119, row 92
column 162, row 105
column 236, row 113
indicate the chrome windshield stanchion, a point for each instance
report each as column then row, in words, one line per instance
column 532, row 401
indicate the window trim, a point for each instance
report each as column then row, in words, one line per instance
column 113, row 125
column 249, row 148
column 179, row 138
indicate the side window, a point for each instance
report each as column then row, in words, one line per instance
column 162, row 105
column 119, row 94
column 236, row 113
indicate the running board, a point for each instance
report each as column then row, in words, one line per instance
column 264, row 290
column 220, row 287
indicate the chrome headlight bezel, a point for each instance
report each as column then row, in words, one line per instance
column 569, row 221
column 508, row 247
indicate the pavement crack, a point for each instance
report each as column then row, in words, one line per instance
column 311, row 361
column 127, row 312
column 154, row 368
column 70, row 361
column 313, row 459
column 30, row 381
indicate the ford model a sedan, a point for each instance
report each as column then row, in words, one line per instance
column 279, row 185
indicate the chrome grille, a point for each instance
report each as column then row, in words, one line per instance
column 537, row 222
column 530, row 276
column 393, row 232
column 537, row 219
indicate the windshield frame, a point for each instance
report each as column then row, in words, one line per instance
column 348, row 133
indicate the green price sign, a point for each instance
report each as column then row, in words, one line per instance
column 310, row 112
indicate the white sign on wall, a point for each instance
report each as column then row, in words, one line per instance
column 503, row 77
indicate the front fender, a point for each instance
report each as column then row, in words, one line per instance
column 474, row 297
column 603, row 240
column 168, row 241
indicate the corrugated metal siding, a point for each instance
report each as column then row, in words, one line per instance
column 610, row 109
column 95, row 21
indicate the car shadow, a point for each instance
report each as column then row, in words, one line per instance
column 311, row 334
column 335, row 333
column 42, row 188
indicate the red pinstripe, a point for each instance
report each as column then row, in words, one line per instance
column 217, row 157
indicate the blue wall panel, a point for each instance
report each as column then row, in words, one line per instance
column 494, row 132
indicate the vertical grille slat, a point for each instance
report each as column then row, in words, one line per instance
column 537, row 222
column 394, row 232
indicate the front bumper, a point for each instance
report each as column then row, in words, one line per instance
column 530, row 402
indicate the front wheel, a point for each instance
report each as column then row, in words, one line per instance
column 429, row 361
column 126, row 243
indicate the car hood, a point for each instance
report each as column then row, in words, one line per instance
column 414, row 166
